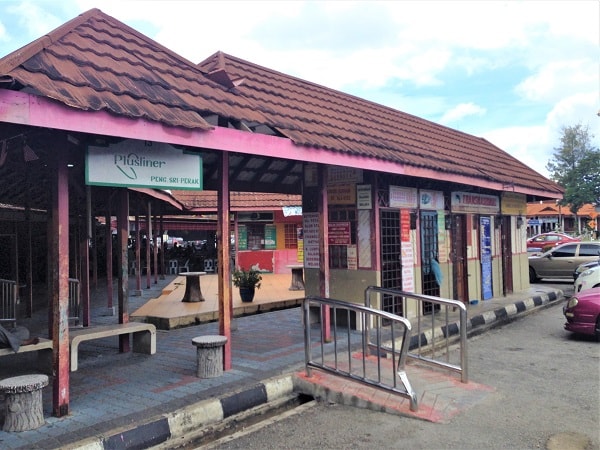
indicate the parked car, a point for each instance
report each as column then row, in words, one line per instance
column 546, row 239
column 561, row 261
column 582, row 312
column 588, row 280
column 583, row 267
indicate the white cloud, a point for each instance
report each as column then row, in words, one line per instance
column 489, row 66
column 551, row 81
column 530, row 145
column 461, row 111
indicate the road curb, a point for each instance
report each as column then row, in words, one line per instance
column 209, row 412
column 201, row 414
column 482, row 322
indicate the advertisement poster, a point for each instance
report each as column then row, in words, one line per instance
column 338, row 233
column 270, row 237
column 486, row 257
column 352, row 257
column 408, row 273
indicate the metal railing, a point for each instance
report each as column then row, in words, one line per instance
column 341, row 361
column 8, row 301
column 440, row 328
column 74, row 301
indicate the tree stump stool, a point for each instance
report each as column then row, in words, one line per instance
column 23, row 399
column 209, row 355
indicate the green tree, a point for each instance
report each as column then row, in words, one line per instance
column 575, row 165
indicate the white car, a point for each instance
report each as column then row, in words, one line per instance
column 588, row 279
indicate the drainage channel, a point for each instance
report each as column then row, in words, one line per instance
column 213, row 436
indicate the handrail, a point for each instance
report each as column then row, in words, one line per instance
column 74, row 300
column 364, row 315
column 434, row 334
column 8, row 301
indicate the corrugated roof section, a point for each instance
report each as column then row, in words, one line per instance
column 314, row 115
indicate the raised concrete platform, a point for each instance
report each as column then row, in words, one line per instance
column 168, row 312
column 441, row 394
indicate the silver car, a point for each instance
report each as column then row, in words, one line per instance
column 561, row 261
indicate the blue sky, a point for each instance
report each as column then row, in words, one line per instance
column 513, row 72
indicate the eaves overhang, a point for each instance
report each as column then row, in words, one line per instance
column 28, row 109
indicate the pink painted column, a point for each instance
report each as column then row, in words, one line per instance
column 59, row 252
column 109, row 258
column 324, row 250
column 138, row 257
column 148, row 241
column 123, row 264
column 224, row 260
column 84, row 250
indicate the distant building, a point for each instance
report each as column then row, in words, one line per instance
column 546, row 216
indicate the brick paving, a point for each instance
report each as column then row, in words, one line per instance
column 113, row 391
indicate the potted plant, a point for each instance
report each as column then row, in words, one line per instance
column 247, row 281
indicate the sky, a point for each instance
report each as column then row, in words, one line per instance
column 513, row 72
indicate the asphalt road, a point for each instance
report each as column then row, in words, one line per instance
column 547, row 395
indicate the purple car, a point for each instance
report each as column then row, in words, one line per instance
column 583, row 313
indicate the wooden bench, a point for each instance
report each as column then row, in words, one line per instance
column 144, row 337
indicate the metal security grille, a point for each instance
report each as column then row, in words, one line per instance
column 291, row 235
column 391, row 261
column 429, row 256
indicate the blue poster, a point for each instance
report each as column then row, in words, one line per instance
column 486, row 257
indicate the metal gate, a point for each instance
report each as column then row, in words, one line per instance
column 429, row 257
column 391, row 259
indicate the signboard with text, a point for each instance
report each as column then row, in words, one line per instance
column 147, row 164
column 475, row 203
column 338, row 233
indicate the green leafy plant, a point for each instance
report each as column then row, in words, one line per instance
column 246, row 278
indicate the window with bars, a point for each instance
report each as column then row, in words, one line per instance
column 291, row 235
column 255, row 236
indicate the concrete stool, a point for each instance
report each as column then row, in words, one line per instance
column 24, row 409
column 209, row 355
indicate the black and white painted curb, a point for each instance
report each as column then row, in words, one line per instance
column 202, row 414
column 486, row 320
column 209, row 412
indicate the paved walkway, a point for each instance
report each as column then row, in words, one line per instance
column 134, row 400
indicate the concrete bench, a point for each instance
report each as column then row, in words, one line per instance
column 144, row 337
column 44, row 355
column 44, row 344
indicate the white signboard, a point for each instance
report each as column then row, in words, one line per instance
column 310, row 228
column 363, row 196
column 475, row 203
column 135, row 163
column 403, row 197
column 433, row 200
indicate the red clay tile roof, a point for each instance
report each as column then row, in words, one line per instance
column 94, row 62
column 314, row 115
column 550, row 208
column 253, row 201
